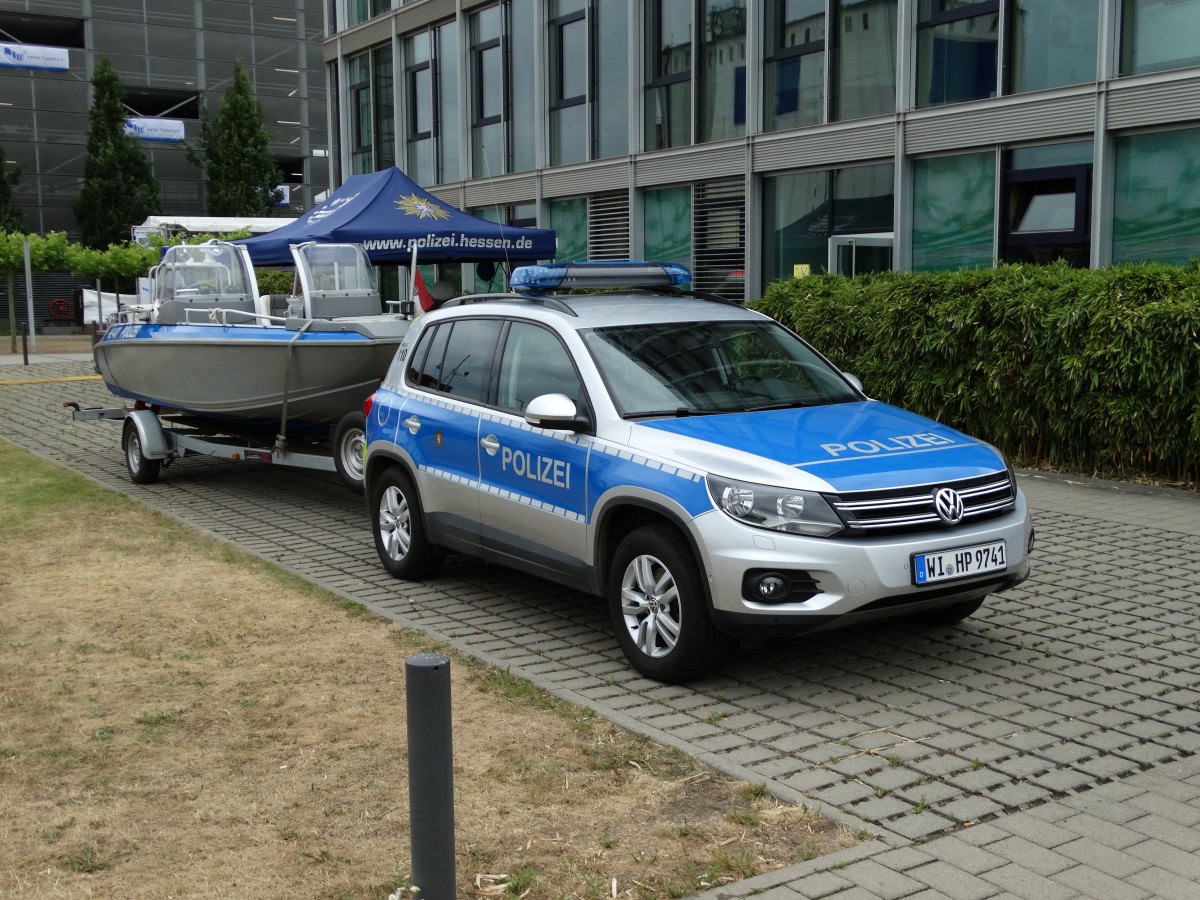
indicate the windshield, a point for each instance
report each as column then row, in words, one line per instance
column 698, row 368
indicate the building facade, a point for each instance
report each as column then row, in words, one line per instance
column 170, row 56
column 757, row 139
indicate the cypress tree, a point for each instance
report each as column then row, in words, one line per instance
column 243, row 177
column 10, row 217
column 119, row 186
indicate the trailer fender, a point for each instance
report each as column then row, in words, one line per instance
column 151, row 435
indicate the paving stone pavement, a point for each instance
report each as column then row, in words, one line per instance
column 1046, row 748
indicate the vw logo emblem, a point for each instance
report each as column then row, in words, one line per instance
column 949, row 505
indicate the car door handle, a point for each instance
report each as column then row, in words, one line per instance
column 490, row 444
column 413, row 424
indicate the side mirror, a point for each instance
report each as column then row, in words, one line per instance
column 554, row 411
column 853, row 379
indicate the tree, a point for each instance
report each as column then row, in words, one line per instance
column 11, row 218
column 49, row 252
column 243, row 177
column 119, row 186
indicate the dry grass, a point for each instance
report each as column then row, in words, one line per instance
column 180, row 719
column 48, row 344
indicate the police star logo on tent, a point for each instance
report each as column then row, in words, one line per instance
column 413, row 205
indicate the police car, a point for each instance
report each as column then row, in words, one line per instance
column 694, row 462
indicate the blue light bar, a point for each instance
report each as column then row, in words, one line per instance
column 608, row 274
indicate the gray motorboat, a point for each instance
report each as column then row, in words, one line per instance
column 208, row 345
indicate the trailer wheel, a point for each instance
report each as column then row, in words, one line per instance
column 141, row 469
column 349, row 444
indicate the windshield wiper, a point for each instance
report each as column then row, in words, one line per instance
column 782, row 404
column 681, row 412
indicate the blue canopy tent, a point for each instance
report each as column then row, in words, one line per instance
column 390, row 215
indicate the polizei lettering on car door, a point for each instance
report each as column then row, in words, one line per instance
column 892, row 444
column 546, row 469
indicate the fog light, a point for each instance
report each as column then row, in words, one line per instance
column 773, row 587
column 1029, row 546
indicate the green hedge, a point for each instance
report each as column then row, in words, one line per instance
column 1091, row 371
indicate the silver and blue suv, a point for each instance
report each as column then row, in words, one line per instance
column 694, row 462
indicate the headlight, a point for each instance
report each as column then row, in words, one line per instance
column 776, row 509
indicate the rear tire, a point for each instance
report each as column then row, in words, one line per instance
column 658, row 606
column 951, row 615
column 399, row 527
column 141, row 469
column 349, row 442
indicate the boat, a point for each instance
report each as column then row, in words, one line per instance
column 214, row 368
column 209, row 346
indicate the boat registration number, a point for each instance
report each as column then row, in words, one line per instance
column 961, row 562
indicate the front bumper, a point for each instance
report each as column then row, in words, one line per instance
column 855, row 580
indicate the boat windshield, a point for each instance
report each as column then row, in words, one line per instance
column 701, row 368
column 190, row 272
column 338, row 267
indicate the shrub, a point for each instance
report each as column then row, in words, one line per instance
column 1094, row 371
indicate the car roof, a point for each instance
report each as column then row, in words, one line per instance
column 627, row 307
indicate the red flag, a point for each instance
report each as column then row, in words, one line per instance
column 420, row 294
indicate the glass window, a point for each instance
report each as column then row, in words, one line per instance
column 487, row 91
column 523, row 95
column 658, row 369
column 956, row 51
column 360, row 112
column 1053, row 44
column 865, row 64
column 721, row 92
column 568, row 218
column 568, row 83
column 362, row 10
column 534, row 363
column 610, row 116
column 1156, row 207
column 1052, row 211
column 385, row 108
column 667, row 217
column 796, row 223
column 803, row 211
column 954, row 211
column 446, row 66
column 669, row 64
column 1159, row 34
column 1045, row 211
column 794, row 93
column 419, row 75
column 457, row 360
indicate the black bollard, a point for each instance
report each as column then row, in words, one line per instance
column 430, row 776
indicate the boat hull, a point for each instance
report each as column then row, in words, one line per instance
column 249, row 375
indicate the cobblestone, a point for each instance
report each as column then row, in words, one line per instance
column 1063, row 714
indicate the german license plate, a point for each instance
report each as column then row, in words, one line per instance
column 962, row 562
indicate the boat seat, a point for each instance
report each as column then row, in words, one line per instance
column 336, row 304
column 175, row 311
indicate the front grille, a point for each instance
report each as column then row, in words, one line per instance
column 900, row 510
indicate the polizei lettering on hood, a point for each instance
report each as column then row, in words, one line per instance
column 896, row 443
column 546, row 469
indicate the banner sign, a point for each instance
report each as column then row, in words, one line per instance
column 31, row 56
column 155, row 129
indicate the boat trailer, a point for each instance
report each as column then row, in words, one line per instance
column 153, row 438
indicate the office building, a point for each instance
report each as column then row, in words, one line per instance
column 757, row 139
column 170, row 56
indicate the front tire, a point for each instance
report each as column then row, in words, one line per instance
column 141, row 469
column 399, row 527
column 658, row 606
column 349, row 442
